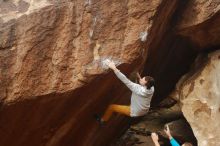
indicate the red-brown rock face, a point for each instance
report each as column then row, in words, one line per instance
column 51, row 79
column 50, row 48
column 51, row 83
column 200, row 23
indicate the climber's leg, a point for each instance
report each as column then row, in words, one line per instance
column 113, row 108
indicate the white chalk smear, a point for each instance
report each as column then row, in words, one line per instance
column 106, row 60
column 88, row 2
column 91, row 33
column 102, row 62
column 94, row 21
column 143, row 36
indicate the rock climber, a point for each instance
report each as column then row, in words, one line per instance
column 140, row 98
column 173, row 142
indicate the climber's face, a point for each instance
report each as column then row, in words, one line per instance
column 142, row 81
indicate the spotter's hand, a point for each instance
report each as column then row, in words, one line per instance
column 154, row 137
column 167, row 131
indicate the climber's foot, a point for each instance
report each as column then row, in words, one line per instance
column 99, row 119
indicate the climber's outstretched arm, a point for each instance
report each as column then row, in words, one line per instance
column 136, row 88
column 120, row 75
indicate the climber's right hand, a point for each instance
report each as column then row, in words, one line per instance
column 111, row 65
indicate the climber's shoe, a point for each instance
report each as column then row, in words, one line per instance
column 99, row 119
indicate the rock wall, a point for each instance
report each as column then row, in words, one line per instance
column 198, row 90
column 199, row 22
column 193, row 29
column 50, row 74
column 51, row 82
column 198, row 93
column 49, row 46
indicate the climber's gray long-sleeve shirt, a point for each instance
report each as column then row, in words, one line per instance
column 140, row 98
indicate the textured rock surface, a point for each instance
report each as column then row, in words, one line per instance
column 46, row 48
column 50, row 76
column 198, row 92
column 200, row 22
column 50, row 80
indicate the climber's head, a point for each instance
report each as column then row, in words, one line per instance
column 187, row 144
column 142, row 81
column 147, row 81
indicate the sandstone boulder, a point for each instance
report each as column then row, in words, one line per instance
column 198, row 92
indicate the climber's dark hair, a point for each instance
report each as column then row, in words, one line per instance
column 150, row 81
